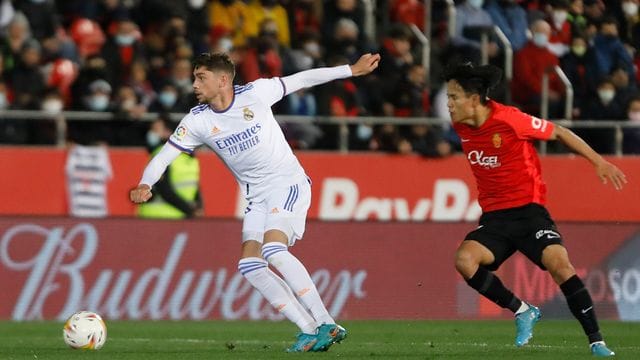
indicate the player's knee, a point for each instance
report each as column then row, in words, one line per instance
column 465, row 260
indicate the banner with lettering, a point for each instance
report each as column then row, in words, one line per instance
column 136, row 269
column 363, row 186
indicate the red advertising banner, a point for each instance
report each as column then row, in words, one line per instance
column 137, row 269
column 346, row 187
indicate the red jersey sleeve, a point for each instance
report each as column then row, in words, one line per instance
column 529, row 127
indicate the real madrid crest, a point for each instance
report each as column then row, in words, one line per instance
column 248, row 114
column 497, row 140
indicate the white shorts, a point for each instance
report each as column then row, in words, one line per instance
column 284, row 209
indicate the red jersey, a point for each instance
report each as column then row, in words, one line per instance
column 503, row 157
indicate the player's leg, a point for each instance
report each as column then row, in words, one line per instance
column 286, row 224
column 556, row 259
column 484, row 250
column 256, row 270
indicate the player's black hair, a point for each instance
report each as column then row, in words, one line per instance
column 215, row 61
column 475, row 79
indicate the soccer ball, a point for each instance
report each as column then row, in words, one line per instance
column 85, row 330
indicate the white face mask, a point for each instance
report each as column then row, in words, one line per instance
column 559, row 17
column 475, row 3
column 606, row 95
column 98, row 102
column 364, row 132
column 52, row 106
column 540, row 39
column 630, row 8
column 4, row 103
column 196, row 4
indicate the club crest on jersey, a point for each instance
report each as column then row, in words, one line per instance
column 181, row 131
column 497, row 140
column 248, row 114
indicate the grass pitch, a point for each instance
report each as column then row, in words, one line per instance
column 366, row 340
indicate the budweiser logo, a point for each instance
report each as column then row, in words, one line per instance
column 60, row 261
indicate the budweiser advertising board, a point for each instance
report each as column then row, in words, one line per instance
column 345, row 187
column 137, row 269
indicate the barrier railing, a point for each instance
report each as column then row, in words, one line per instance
column 342, row 122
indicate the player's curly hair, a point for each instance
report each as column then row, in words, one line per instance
column 215, row 62
column 475, row 79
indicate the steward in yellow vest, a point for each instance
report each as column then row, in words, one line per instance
column 177, row 193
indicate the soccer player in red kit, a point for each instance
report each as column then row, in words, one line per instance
column 498, row 142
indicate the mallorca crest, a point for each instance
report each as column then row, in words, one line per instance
column 248, row 114
column 497, row 140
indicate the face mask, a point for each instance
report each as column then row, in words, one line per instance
column 225, row 44
column 579, row 50
column 153, row 139
column 128, row 104
column 167, row 98
column 559, row 17
column 540, row 39
column 606, row 95
column 475, row 3
column 629, row 8
column 634, row 116
column 125, row 40
column 196, row 4
column 98, row 102
column 312, row 48
column 364, row 132
column 4, row 103
column 52, row 106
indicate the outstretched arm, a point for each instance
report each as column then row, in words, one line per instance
column 605, row 170
column 153, row 172
column 308, row 78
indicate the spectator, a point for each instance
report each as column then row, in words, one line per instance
column 594, row 11
column 344, row 41
column 577, row 19
column 304, row 17
column 560, row 38
column 18, row 32
column 261, row 10
column 466, row 40
column 395, row 55
column 263, row 60
column 511, row 18
column 604, row 105
column 409, row 96
column 610, row 52
column 97, row 99
column 630, row 23
column 168, row 100
column 43, row 17
column 88, row 37
column 94, row 69
column 407, row 12
column 631, row 143
column 7, row 11
column 181, row 79
column 579, row 66
column 302, row 135
column 26, row 79
column 336, row 10
column 197, row 25
column 530, row 64
column 121, row 50
column 229, row 17
column 425, row 140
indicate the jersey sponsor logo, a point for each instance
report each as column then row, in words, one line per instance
column 538, row 124
column 496, row 140
column 476, row 157
column 181, row 132
column 248, row 114
column 239, row 137
column 549, row 233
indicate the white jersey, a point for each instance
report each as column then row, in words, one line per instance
column 246, row 136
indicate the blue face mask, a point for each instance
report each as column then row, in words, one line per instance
column 540, row 39
column 364, row 132
column 125, row 40
column 98, row 102
column 167, row 98
column 153, row 139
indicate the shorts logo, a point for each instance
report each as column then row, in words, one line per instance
column 248, row 114
column 497, row 140
column 549, row 233
column 181, row 131
column 274, row 210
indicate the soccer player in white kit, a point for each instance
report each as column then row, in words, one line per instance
column 236, row 122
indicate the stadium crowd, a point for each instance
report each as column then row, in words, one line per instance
column 132, row 57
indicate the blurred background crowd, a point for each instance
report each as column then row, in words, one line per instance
column 133, row 57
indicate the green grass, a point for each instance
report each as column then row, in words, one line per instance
column 367, row 340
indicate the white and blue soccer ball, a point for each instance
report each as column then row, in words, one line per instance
column 85, row 330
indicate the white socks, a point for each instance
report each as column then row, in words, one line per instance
column 523, row 307
column 297, row 277
column 277, row 292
